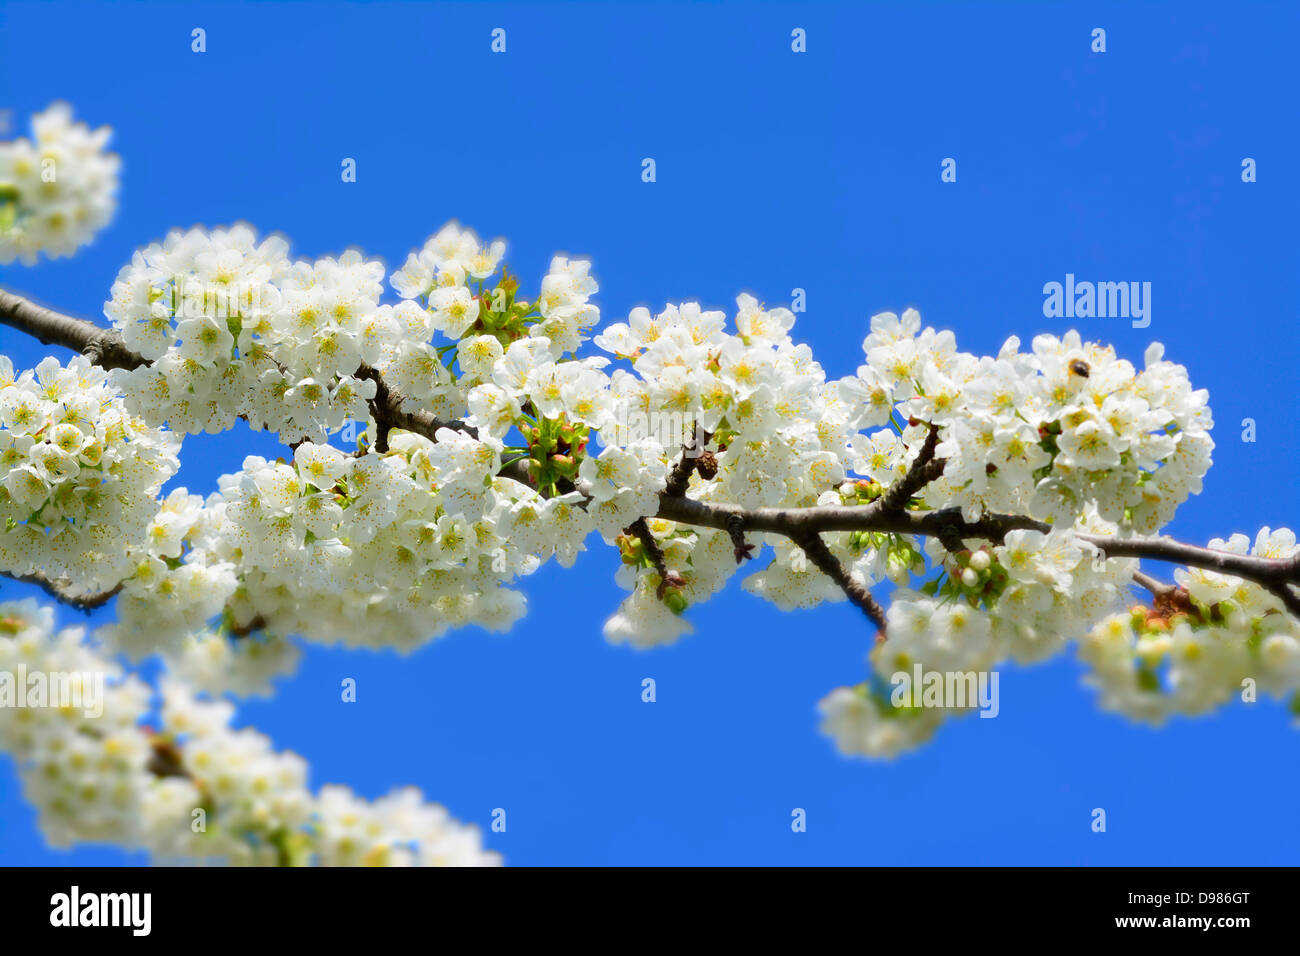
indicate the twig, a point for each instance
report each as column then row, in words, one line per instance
column 826, row 562
column 641, row 530
column 736, row 528
column 925, row 469
column 386, row 407
column 680, row 477
column 1157, row 588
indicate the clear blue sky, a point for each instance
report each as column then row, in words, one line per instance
column 776, row 170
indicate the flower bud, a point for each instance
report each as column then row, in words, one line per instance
column 675, row 600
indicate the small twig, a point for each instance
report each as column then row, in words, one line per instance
column 1157, row 588
column 925, row 469
column 641, row 530
column 692, row 457
column 680, row 477
column 165, row 759
column 386, row 407
column 736, row 528
column 1289, row 598
column 826, row 562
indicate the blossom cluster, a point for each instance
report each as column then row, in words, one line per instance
column 370, row 550
column 216, row 662
column 1020, row 600
column 57, row 189
column 1051, row 433
column 1221, row 637
column 176, row 781
column 394, row 548
column 232, row 329
column 79, row 477
column 528, row 446
column 1211, row 638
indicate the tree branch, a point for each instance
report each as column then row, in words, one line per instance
column 102, row 346
column 924, row 470
column 826, row 562
column 1275, row 574
column 887, row 514
column 736, row 529
column 640, row 530
column 386, row 407
column 60, row 592
column 692, row 457
column 1158, row 589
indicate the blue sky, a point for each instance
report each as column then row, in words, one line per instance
column 775, row 170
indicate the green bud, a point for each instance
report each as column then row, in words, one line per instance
column 675, row 600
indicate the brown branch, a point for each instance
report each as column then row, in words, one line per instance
column 887, row 514
column 1168, row 599
column 1289, row 599
column 1158, row 589
column 991, row 527
column 693, row 457
column 826, row 562
column 947, row 524
column 257, row 623
column 1271, row 573
column 165, row 758
column 793, row 522
column 680, row 477
column 386, row 407
column 59, row 590
column 641, row 530
column 102, row 346
column 736, row 529
column 925, row 469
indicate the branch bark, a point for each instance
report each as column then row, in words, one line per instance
column 386, row 407
column 924, row 470
column 60, row 592
column 826, row 562
column 1158, row 589
column 1273, row 573
column 667, row 578
column 102, row 346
